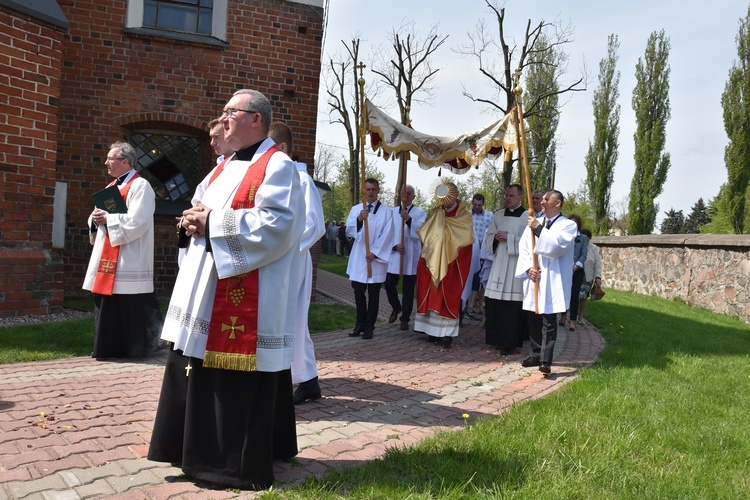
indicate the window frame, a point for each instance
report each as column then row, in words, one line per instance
column 134, row 21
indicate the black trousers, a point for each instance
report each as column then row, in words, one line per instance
column 542, row 335
column 407, row 305
column 578, row 277
column 367, row 300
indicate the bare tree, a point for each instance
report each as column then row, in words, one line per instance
column 326, row 162
column 344, row 107
column 499, row 69
column 409, row 73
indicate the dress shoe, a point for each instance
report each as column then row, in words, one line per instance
column 545, row 368
column 307, row 392
column 355, row 333
column 367, row 335
column 447, row 341
column 507, row 352
column 394, row 315
column 404, row 325
column 431, row 338
column 530, row 361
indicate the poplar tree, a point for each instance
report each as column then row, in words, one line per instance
column 602, row 154
column 541, row 92
column 651, row 105
column 736, row 103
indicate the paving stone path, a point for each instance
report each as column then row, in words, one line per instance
column 80, row 428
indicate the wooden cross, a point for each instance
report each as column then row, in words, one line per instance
column 233, row 327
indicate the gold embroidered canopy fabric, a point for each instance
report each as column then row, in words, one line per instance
column 457, row 153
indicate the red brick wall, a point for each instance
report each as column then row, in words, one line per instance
column 30, row 271
column 114, row 82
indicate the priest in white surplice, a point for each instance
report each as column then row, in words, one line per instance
column 127, row 318
column 505, row 320
column 225, row 410
column 556, row 236
column 304, row 366
column 380, row 230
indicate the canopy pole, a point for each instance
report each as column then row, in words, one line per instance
column 403, row 202
column 524, row 166
column 362, row 134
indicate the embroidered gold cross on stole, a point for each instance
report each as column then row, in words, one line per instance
column 233, row 327
column 188, row 368
column 107, row 266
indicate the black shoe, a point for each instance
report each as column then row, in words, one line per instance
column 447, row 341
column 404, row 325
column 430, row 338
column 545, row 368
column 367, row 336
column 394, row 315
column 530, row 361
column 307, row 392
column 355, row 333
column 507, row 352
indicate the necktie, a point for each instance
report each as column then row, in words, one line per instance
column 369, row 207
column 548, row 224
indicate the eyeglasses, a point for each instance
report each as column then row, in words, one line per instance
column 109, row 158
column 230, row 112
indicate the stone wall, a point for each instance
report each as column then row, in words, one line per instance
column 707, row 271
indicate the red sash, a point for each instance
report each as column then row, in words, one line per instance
column 104, row 281
column 233, row 331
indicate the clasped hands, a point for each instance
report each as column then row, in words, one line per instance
column 194, row 219
column 501, row 236
column 99, row 217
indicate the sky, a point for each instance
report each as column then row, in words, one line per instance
column 702, row 36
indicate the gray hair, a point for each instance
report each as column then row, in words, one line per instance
column 126, row 151
column 258, row 102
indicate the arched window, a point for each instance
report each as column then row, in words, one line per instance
column 171, row 163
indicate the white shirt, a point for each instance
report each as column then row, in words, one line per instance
column 380, row 228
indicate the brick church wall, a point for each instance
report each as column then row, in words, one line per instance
column 115, row 81
column 31, row 271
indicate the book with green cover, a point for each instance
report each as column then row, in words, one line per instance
column 110, row 200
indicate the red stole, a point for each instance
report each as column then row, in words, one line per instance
column 233, row 331
column 104, row 281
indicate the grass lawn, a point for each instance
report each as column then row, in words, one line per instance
column 662, row 415
column 66, row 339
column 333, row 264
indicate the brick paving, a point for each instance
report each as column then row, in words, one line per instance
column 80, row 428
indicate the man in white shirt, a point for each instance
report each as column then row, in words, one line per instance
column 366, row 284
column 556, row 236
